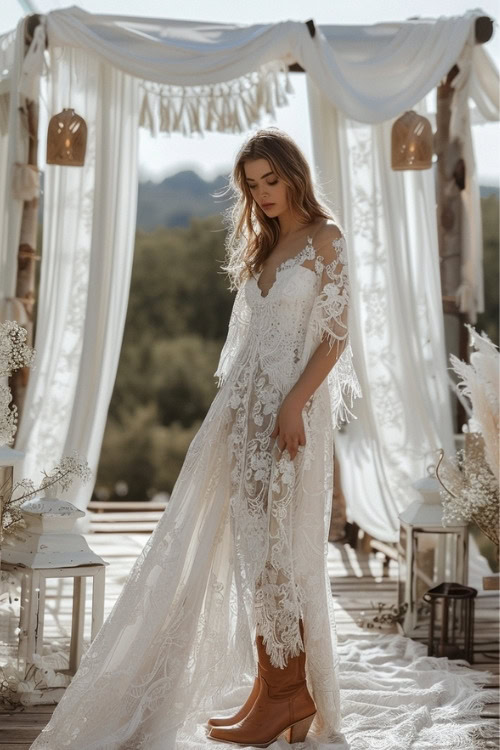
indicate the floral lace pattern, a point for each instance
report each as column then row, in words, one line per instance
column 242, row 545
column 309, row 296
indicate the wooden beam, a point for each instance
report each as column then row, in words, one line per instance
column 27, row 256
column 311, row 27
column 30, row 25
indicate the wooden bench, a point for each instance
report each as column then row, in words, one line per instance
column 122, row 516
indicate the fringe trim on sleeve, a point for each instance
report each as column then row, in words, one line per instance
column 343, row 381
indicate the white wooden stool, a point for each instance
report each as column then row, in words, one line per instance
column 32, row 611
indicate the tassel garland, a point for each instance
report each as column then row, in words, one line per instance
column 231, row 106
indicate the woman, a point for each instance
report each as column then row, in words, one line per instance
column 232, row 587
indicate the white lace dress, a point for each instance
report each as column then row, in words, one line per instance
column 241, row 547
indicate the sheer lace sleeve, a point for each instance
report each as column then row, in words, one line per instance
column 330, row 320
column 330, row 313
column 239, row 324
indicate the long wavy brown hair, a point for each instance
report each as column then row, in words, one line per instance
column 251, row 235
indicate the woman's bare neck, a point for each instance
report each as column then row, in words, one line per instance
column 288, row 243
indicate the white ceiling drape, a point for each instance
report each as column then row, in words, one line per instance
column 371, row 73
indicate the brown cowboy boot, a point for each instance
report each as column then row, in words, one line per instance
column 282, row 705
column 219, row 721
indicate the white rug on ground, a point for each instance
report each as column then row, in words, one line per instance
column 394, row 697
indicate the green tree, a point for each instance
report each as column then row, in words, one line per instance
column 177, row 289
column 170, row 445
column 182, row 380
column 176, row 324
column 127, row 453
column 488, row 320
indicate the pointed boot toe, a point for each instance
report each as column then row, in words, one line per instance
column 227, row 721
column 220, row 721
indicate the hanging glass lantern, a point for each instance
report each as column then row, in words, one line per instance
column 428, row 554
column 67, row 139
column 451, row 628
column 411, row 142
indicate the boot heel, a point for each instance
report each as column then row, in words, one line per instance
column 298, row 732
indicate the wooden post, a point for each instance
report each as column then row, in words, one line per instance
column 449, row 184
column 451, row 180
column 27, row 257
column 338, row 517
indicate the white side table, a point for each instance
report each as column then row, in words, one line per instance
column 32, row 611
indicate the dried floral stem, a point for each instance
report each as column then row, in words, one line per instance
column 62, row 475
column 469, row 479
column 441, row 456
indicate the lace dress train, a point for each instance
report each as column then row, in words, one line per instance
column 241, row 547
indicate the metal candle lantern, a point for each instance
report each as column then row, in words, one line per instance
column 451, row 634
column 429, row 553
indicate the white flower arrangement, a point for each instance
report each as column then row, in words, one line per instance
column 470, row 478
column 62, row 476
column 14, row 354
column 41, row 682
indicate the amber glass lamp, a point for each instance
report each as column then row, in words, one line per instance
column 67, row 139
column 411, row 142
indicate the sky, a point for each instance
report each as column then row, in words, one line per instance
column 213, row 153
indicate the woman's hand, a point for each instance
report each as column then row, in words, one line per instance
column 289, row 427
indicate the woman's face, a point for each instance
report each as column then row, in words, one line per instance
column 267, row 190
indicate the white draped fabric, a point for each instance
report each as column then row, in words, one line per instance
column 187, row 76
column 117, row 72
column 88, row 242
column 195, row 76
column 397, row 332
column 371, row 73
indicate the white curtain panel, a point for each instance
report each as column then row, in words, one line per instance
column 484, row 88
column 397, row 328
column 88, row 241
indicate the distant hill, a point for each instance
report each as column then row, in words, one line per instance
column 172, row 202
column 486, row 190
